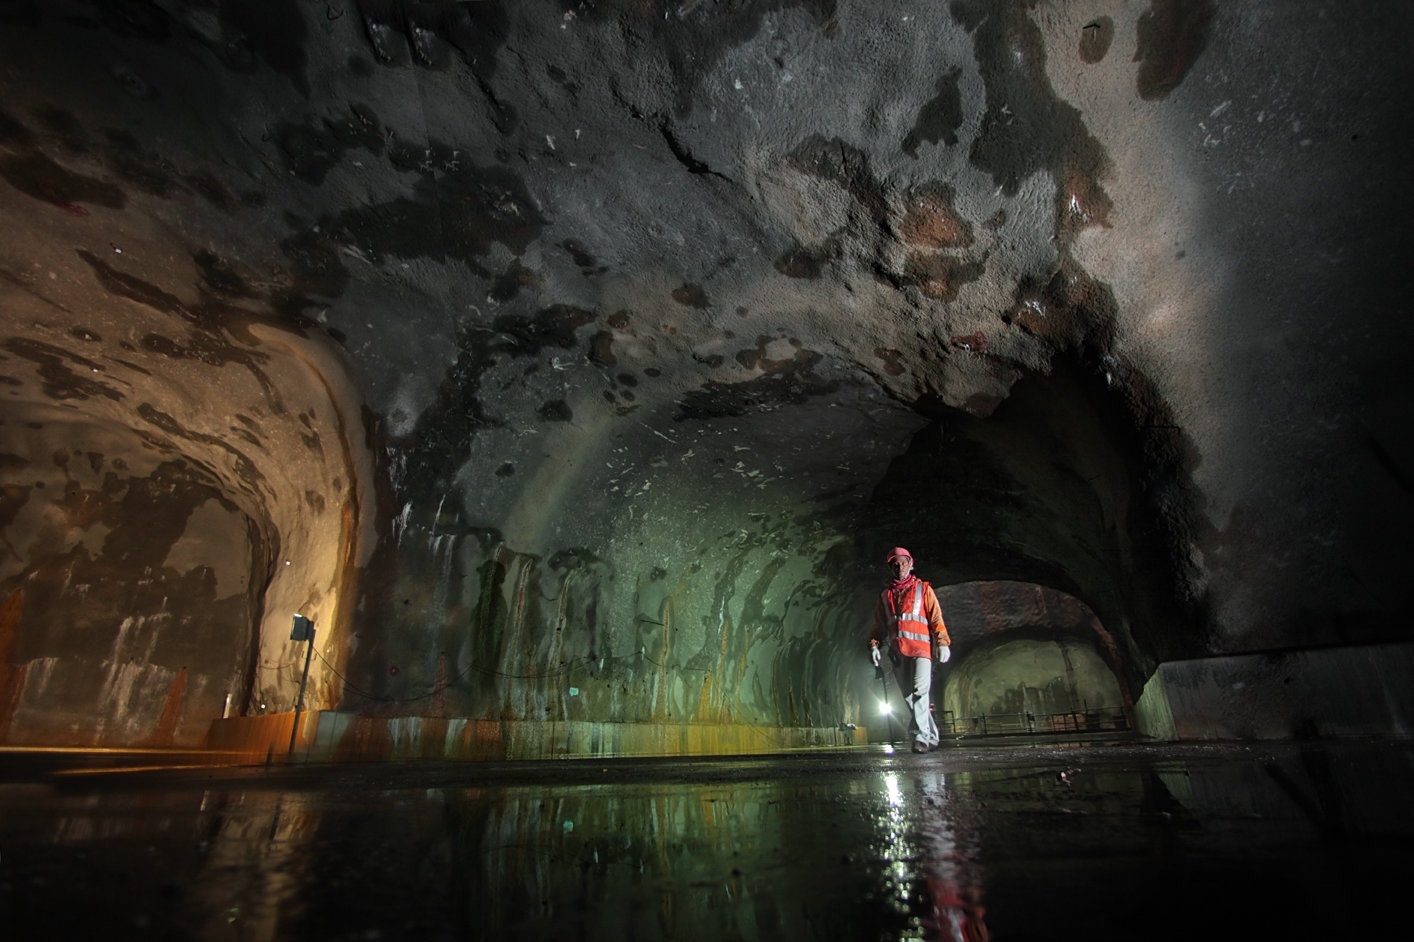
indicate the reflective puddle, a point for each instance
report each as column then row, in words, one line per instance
column 1114, row 841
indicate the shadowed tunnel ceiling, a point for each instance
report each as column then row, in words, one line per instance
column 582, row 360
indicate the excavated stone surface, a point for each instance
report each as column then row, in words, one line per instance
column 606, row 346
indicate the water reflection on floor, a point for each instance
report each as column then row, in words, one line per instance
column 1082, row 841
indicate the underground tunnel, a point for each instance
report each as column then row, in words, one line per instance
column 571, row 366
column 450, row 452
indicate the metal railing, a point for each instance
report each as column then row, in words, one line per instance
column 1028, row 723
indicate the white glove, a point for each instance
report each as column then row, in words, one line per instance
column 874, row 655
column 944, row 652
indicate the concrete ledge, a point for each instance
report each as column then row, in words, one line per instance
column 352, row 737
column 1320, row 693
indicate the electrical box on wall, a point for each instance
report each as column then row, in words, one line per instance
column 303, row 629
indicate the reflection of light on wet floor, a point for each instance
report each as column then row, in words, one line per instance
column 950, row 847
column 898, row 854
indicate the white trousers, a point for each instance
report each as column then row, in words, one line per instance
column 915, row 679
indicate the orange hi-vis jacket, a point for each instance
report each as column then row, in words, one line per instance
column 908, row 617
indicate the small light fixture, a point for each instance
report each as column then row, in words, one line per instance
column 302, row 630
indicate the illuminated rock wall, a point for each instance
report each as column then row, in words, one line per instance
column 578, row 361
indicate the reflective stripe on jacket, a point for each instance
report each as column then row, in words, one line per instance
column 911, row 625
column 907, row 626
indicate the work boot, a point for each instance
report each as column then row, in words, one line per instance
column 919, row 746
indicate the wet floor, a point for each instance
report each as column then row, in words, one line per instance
column 1098, row 840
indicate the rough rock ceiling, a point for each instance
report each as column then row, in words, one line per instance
column 1099, row 295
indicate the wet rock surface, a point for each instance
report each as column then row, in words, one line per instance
column 550, row 345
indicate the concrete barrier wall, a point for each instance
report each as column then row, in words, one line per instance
column 257, row 738
column 352, row 737
column 1319, row 693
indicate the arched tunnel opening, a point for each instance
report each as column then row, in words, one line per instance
column 166, row 507
column 1036, row 679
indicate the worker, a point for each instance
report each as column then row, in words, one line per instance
column 909, row 621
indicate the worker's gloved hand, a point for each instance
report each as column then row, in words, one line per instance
column 944, row 652
column 874, row 655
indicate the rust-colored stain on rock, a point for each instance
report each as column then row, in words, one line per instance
column 931, row 222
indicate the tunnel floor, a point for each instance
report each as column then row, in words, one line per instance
column 1032, row 840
